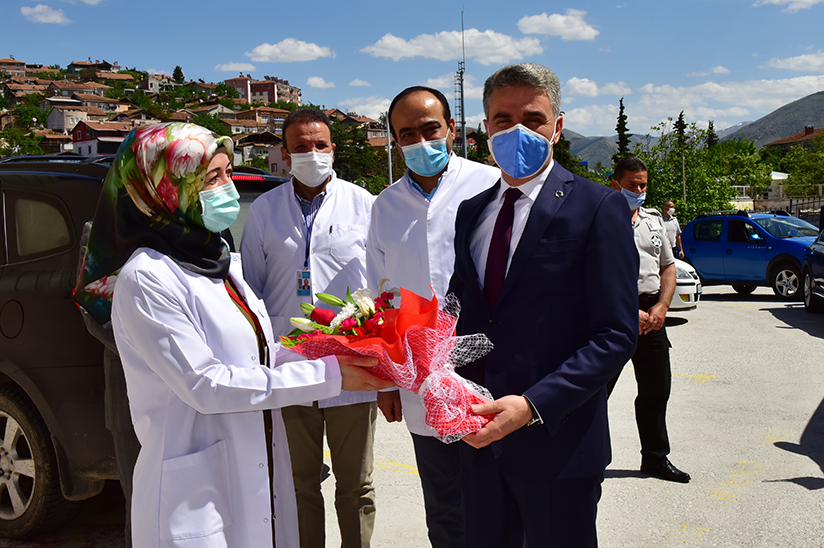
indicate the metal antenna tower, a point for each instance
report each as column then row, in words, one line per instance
column 459, row 91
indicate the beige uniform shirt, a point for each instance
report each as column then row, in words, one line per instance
column 653, row 249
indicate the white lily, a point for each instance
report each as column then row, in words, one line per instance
column 365, row 299
column 304, row 324
column 395, row 291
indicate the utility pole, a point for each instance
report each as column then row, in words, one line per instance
column 459, row 91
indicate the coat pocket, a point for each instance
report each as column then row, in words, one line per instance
column 347, row 242
column 195, row 500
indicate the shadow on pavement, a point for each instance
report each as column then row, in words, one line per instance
column 812, row 446
column 624, row 474
column 734, row 297
column 673, row 321
column 796, row 317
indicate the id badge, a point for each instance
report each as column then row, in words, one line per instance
column 304, row 283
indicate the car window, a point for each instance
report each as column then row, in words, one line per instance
column 787, row 227
column 38, row 225
column 708, row 231
column 740, row 231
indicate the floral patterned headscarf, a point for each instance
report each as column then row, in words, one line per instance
column 151, row 199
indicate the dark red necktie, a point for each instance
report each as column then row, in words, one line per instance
column 499, row 248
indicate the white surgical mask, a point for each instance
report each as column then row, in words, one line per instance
column 671, row 212
column 312, row 168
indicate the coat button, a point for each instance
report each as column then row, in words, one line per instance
column 265, row 520
column 260, row 465
column 254, row 358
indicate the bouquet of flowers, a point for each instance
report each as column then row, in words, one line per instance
column 415, row 345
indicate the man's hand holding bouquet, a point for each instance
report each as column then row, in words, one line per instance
column 415, row 345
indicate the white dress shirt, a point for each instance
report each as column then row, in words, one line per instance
column 482, row 235
column 411, row 243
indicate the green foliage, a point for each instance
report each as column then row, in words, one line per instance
column 261, row 161
column 227, row 102
column 213, row 123
column 481, row 151
column 354, row 158
column 19, row 142
column 284, row 105
column 148, row 106
column 25, row 113
column 563, row 155
column 224, row 90
column 805, row 167
column 712, row 137
column 679, row 164
column 177, row 75
column 772, row 157
column 623, row 134
column 88, row 75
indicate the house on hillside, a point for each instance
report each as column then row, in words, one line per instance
column 134, row 117
column 268, row 90
column 42, row 69
column 62, row 118
column 93, row 138
column 66, row 88
column 244, row 126
column 203, row 87
column 54, row 142
column 103, row 103
column 157, row 83
column 110, row 78
column 272, row 117
column 11, row 67
column 76, row 67
column 252, row 145
column 214, row 109
column 14, row 93
column 804, row 139
column 242, row 84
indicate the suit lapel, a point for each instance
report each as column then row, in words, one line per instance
column 474, row 208
column 554, row 192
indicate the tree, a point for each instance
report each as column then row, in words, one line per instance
column 282, row 104
column 481, row 151
column 177, row 75
column 213, row 123
column 712, row 137
column 680, row 129
column 19, row 142
column 223, row 90
column 563, row 155
column 623, row 134
column 709, row 175
column 805, row 167
column 28, row 115
column 355, row 159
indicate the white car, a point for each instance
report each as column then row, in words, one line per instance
column 687, row 287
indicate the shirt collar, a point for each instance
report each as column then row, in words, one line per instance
column 531, row 188
column 320, row 196
column 422, row 192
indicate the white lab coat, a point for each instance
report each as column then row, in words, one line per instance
column 274, row 249
column 196, row 391
column 411, row 242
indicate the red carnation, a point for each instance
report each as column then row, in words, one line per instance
column 322, row 316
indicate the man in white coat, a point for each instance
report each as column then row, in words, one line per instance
column 411, row 243
column 302, row 238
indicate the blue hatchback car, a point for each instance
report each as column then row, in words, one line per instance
column 748, row 250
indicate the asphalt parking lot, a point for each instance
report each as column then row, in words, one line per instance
column 746, row 420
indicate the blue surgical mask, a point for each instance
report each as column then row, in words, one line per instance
column 521, row 152
column 634, row 200
column 426, row 158
column 220, row 207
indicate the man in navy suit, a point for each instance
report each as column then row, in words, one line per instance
column 548, row 271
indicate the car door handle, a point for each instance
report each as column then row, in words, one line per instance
column 728, row 251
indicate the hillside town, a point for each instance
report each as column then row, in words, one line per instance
column 90, row 106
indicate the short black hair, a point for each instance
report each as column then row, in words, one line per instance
column 304, row 115
column 630, row 163
column 447, row 114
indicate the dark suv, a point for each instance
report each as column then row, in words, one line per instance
column 749, row 249
column 54, row 446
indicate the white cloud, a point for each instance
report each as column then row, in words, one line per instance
column 288, row 50
column 698, row 74
column 236, row 67
column 318, row 82
column 569, row 27
column 720, row 70
column 811, row 62
column 159, row 71
column 733, row 101
column 372, row 106
column 793, row 6
column 359, row 83
column 487, row 47
column 584, row 87
column 91, row 2
column 580, row 86
column 41, row 13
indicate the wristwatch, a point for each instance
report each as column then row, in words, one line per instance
column 536, row 417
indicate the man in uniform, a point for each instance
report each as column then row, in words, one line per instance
column 673, row 228
column 656, row 284
column 315, row 226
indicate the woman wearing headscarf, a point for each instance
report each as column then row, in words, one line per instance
column 196, row 343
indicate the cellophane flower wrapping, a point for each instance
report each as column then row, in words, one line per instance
column 418, row 350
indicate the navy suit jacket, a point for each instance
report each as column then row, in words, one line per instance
column 565, row 324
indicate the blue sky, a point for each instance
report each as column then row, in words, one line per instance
column 723, row 60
